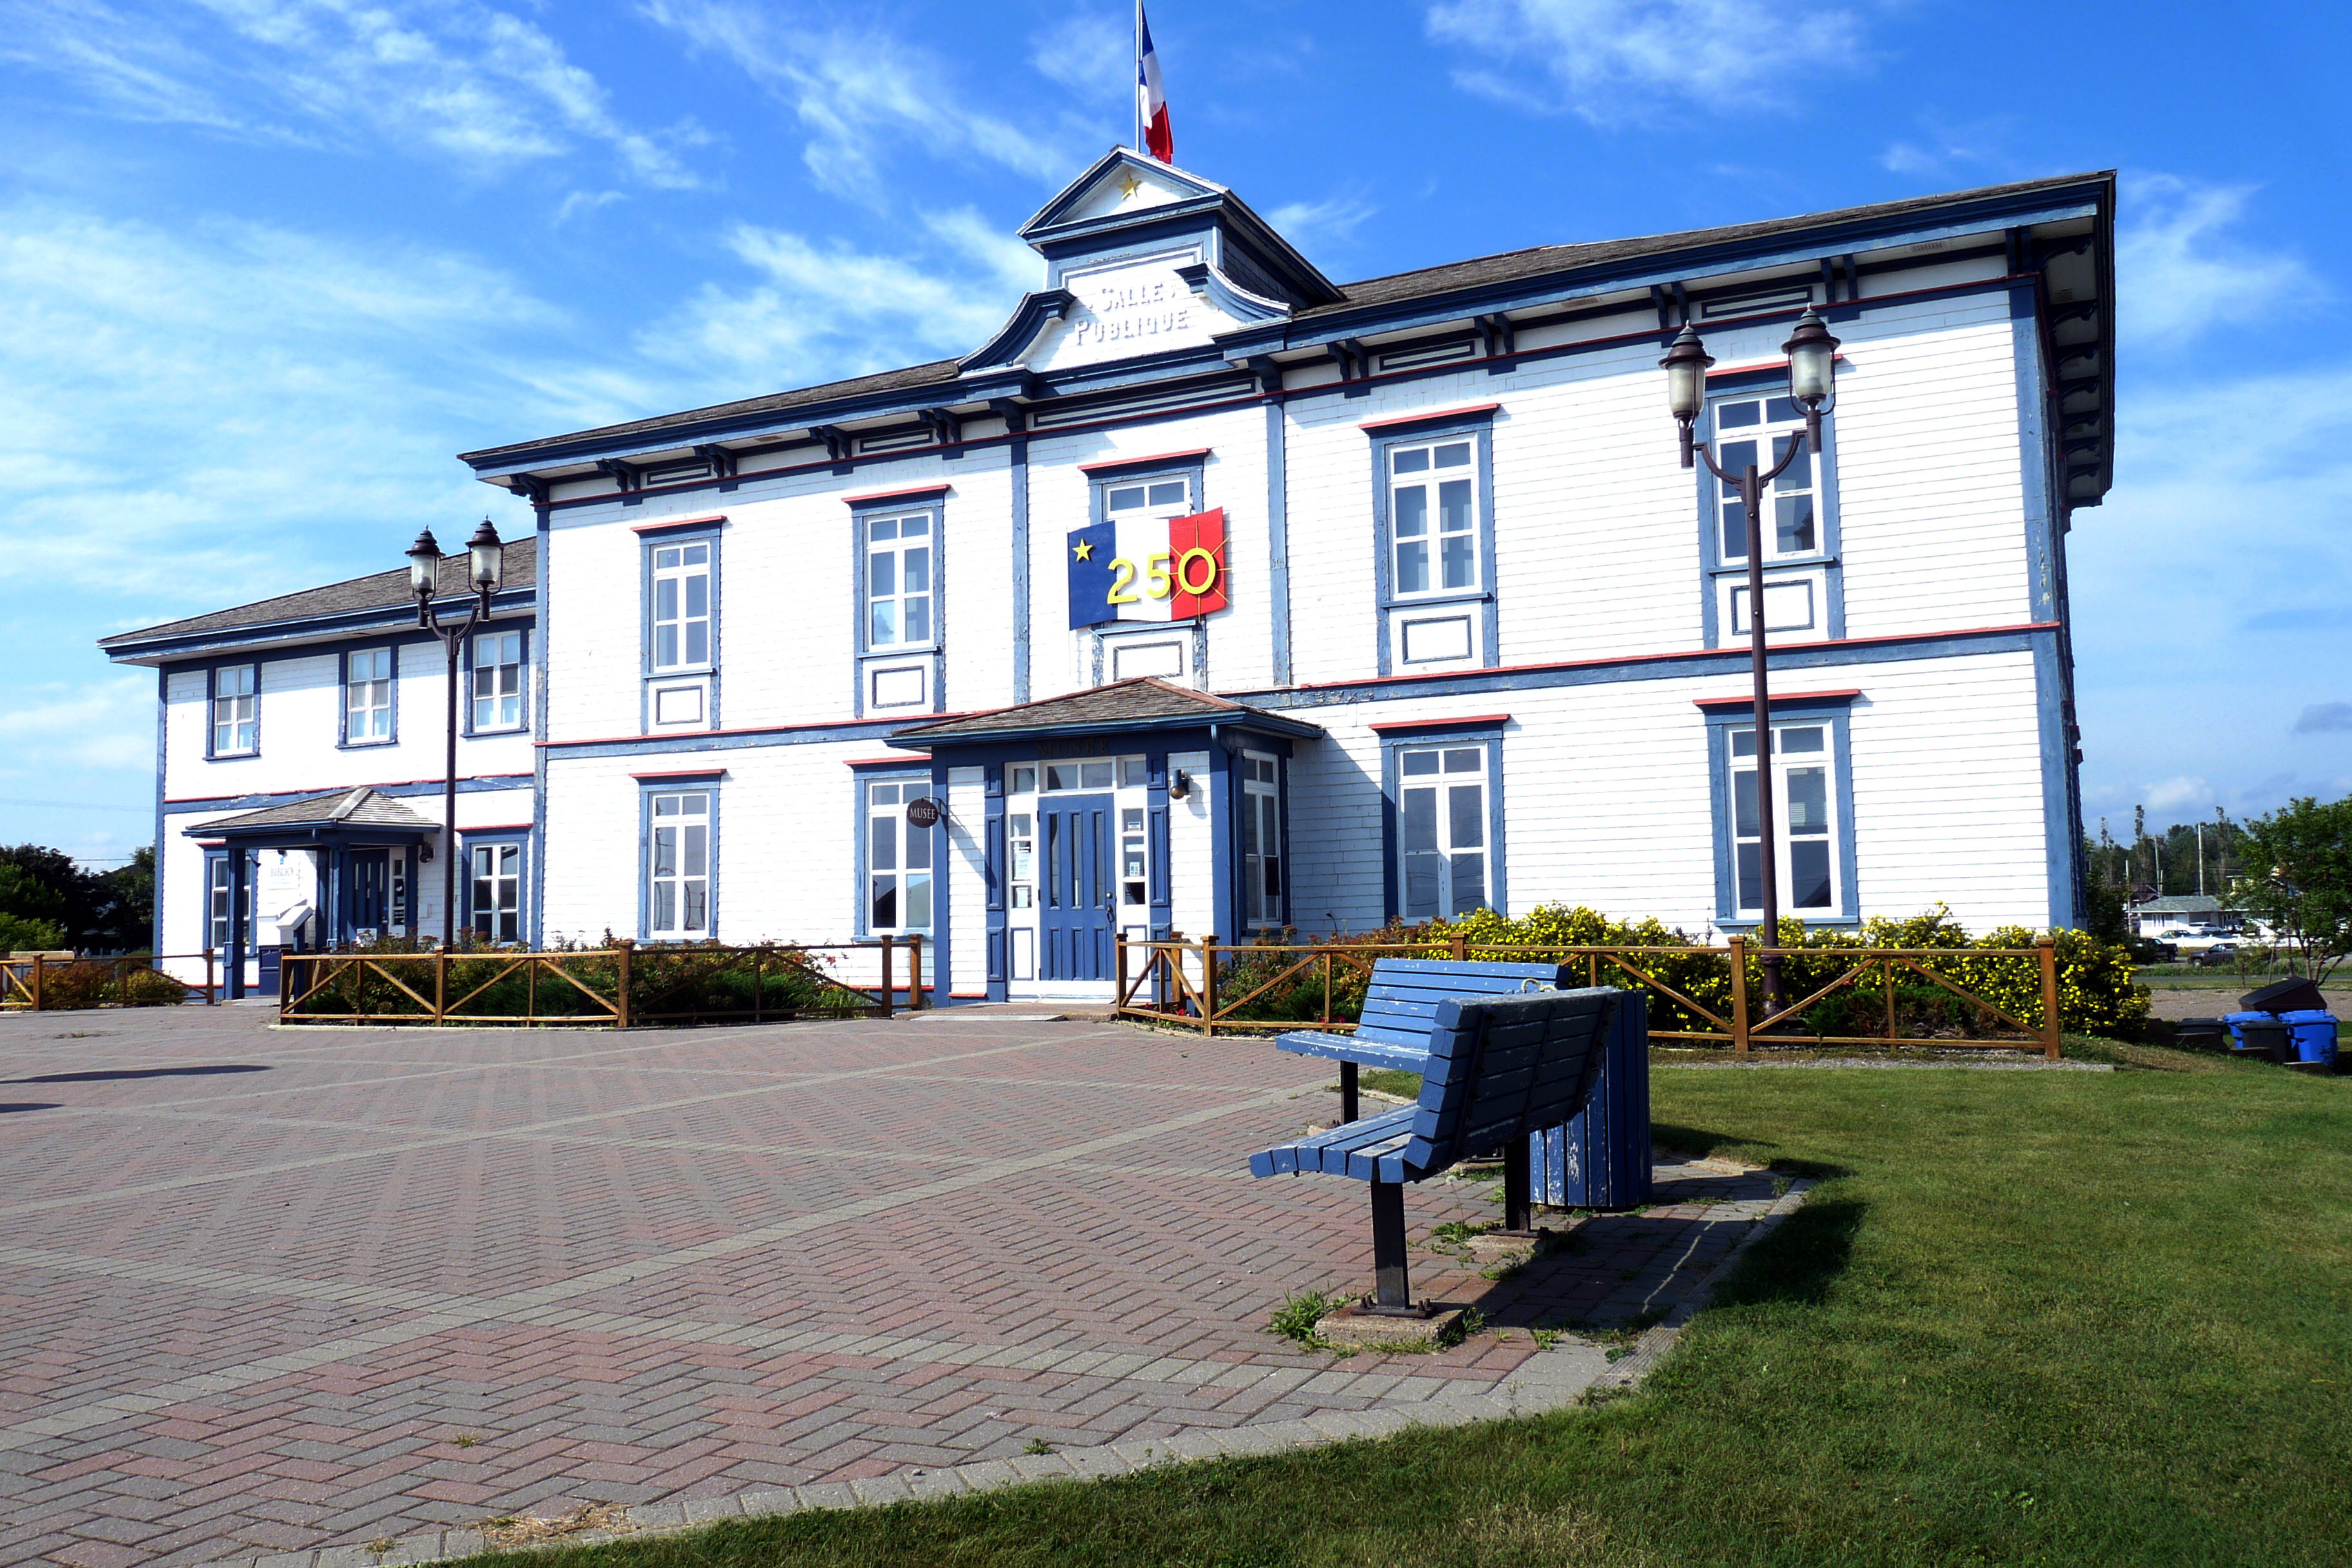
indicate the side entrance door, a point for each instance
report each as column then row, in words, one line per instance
column 1075, row 919
column 371, row 892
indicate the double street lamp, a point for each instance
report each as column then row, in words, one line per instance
column 487, row 560
column 1812, row 385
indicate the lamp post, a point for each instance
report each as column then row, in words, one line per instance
column 1813, row 367
column 487, row 560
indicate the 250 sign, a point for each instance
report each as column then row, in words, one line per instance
column 1152, row 568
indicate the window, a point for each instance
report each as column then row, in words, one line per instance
column 1442, row 831
column 1021, row 839
column 1791, row 524
column 1261, row 841
column 1148, row 498
column 1804, row 797
column 237, row 709
column 897, row 581
column 897, row 861
column 681, row 602
column 494, row 879
column 367, row 697
column 677, row 867
column 498, row 681
column 217, row 901
column 1081, row 775
column 1433, row 517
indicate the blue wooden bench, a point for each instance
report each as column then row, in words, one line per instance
column 1494, row 1068
column 1398, row 1006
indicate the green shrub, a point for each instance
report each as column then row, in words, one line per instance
column 24, row 933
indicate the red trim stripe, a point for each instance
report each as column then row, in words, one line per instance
column 1139, row 462
column 1482, row 721
column 681, row 775
column 938, row 490
column 668, row 522
column 1778, row 697
column 1433, row 414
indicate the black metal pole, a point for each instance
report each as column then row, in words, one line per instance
column 450, row 802
column 1391, row 1288
column 1751, row 500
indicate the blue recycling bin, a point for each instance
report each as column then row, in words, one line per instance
column 2314, row 1035
column 1602, row 1160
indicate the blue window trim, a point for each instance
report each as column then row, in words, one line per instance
column 219, row 856
column 1238, row 900
column 683, row 533
column 646, row 789
column 1437, row 733
column 212, row 695
column 520, row 837
column 1837, row 713
column 1743, row 387
column 915, row 770
column 1194, row 470
column 466, row 676
column 863, row 656
column 1480, row 427
column 344, row 741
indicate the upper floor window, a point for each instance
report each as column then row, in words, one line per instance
column 1746, row 429
column 681, row 603
column 237, row 709
column 1433, row 517
column 677, row 865
column 1805, row 797
column 499, row 680
column 899, row 562
column 367, row 697
column 897, row 861
column 1442, row 821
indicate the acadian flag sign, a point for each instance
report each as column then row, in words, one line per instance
column 1148, row 569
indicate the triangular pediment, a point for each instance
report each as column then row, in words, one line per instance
column 1121, row 184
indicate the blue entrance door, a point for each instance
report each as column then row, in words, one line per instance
column 1078, row 888
column 371, row 892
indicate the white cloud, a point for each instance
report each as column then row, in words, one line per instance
column 107, row 723
column 1092, row 53
column 824, row 310
column 1332, row 221
column 857, row 92
column 1619, row 61
column 475, row 85
column 2171, row 794
column 2178, row 272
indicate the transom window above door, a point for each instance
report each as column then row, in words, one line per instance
column 899, row 561
column 1433, row 517
column 1149, row 498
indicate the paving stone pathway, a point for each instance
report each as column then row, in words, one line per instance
column 270, row 1292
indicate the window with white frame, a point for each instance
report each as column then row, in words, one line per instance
column 1433, row 517
column 494, row 872
column 678, row 865
column 1166, row 496
column 681, row 606
column 1746, row 429
column 1442, row 830
column 367, row 697
column 1020, row 841
column 498, row 681
column 237, row 709
column 1261, row 840
column 899, row 561
column 217, row 902
column 897, row 861
column 1805, row 797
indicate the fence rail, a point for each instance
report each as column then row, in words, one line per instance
column 40, row 982
column 615, row 988
column 1211, row 986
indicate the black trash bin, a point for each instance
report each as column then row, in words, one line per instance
column 2292, row 994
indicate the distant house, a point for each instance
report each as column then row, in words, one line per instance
column 2184, row 909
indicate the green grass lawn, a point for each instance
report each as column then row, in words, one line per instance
column 2026, row 1317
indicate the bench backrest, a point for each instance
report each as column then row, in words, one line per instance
column 1502, row 1067
column 1402, row 1003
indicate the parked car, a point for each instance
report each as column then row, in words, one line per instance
column 2147, row 950
column 2220, row 956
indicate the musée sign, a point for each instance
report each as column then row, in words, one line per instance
column 1169, row 569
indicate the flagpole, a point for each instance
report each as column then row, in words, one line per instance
column 1135, row 77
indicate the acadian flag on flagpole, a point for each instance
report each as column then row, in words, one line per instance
column 1151, row 132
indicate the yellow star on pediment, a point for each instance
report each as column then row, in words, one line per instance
column 1127, row 187
column 1086, row 549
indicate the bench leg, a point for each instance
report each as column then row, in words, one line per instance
column 1518, row 1188
column 1348, row 1099
column 1392, row 1291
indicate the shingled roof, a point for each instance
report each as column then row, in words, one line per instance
column 377, row 591
column 360, row 807
column 1143, row 701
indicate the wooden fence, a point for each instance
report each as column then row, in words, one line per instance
column 615, row 988
column 1208, row 986
column 41, row 983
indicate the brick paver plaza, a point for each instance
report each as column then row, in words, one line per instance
column 267, row 1290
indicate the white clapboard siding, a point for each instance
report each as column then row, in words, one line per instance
column 966, row 874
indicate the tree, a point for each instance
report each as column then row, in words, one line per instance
column 126, row 914
column 71, row 901
column 2297, row 864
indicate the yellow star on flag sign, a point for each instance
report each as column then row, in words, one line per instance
column 1086, row 549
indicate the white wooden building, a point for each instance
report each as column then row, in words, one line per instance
column 1212, row 596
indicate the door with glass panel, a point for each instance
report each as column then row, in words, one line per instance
column 1805, row 797
column 1443, row 851
column 1077, row 896
column 1261, row 841
column 370, row 911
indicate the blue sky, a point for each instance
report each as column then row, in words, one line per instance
column 265, row 265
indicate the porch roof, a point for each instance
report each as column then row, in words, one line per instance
column 350, row 815
column 1142, row 703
